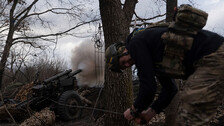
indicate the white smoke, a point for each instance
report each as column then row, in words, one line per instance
column 86, row 57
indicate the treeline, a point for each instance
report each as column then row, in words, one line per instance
column 40, row 70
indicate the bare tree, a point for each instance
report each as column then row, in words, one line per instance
column 19, row 16
column 116, row 19
column 17, row 60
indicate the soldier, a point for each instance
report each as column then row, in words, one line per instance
column 176, row 51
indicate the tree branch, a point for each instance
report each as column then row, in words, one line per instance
column 145, row 23
column 33, row 44
column 3, row 7
column 192, row 2
column 12, row 20
column 129, row 5
column 147, row 19
column 27, row 10
column 5, row 24
column 53, row 11
column 59, row 33
column 4, row 30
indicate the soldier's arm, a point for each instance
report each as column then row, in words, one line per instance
column 168, row 91
column 143, row 61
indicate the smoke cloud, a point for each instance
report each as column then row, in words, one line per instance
column 88, row 58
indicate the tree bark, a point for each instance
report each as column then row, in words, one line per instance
column 118, row 87
column 170, row 5
column 8, row 44
column 3, row 60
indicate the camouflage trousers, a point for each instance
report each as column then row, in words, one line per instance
column 203, row 91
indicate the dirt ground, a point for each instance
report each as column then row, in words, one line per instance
column 87, row 118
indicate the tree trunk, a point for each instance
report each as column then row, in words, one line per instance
column 170, row 5
column 5, row 55
column 171, row 110
column 8, row 43
column 118, row 87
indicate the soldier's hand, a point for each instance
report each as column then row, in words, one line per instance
column 127, row 115
column 145, row 116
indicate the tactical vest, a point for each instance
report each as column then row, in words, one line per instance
column 179, row 39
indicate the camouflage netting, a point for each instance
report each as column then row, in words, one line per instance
column 158, row 119
column 17, row 113
column 11, row 90
column 42, row 118
column 24, row 92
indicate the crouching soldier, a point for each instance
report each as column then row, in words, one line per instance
column 179, row 50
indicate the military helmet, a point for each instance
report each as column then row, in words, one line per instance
column 113, row 53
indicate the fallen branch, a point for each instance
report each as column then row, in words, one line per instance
column 6, row 109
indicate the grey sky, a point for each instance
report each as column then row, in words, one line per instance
column 146, row 9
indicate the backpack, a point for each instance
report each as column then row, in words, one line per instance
column 179, row 39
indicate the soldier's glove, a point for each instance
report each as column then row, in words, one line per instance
column 136, row 115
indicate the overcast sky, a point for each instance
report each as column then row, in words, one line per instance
column 146, row 9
